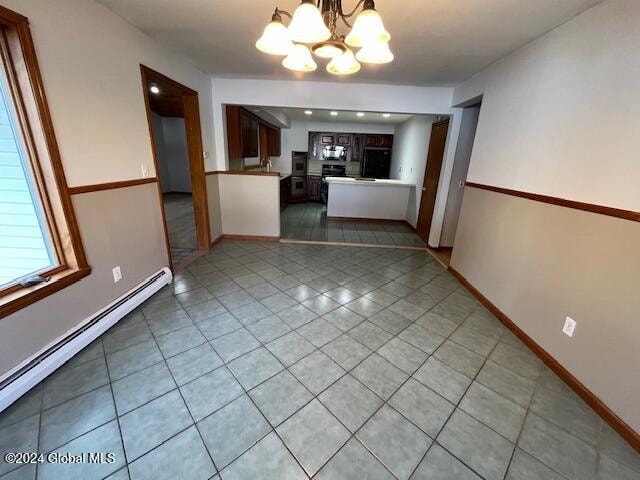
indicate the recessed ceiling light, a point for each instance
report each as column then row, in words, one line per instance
column 334, row 114
column 154, row 89
column 360, row 114
column 386, row 115
column 308, row 112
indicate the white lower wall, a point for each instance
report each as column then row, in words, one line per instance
column 250, row 204
column 359, row 200
column 409, row 159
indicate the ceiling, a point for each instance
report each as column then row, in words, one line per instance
column 435, row 42
column 297, row 114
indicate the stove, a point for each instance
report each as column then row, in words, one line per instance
column 334, row 171
column 330, row 171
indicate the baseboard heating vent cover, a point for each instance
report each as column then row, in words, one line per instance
column 36, row 368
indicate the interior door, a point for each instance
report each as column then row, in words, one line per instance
column 431, row 176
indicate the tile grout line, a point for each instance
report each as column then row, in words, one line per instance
column 115, row 409
column 215, row 467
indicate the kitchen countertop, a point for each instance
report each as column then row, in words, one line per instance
column 378, row 182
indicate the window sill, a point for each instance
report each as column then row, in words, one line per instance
column 24, row 297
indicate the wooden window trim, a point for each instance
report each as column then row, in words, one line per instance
column 27, row 89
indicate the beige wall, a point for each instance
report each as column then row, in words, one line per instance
column 118, row 227
column 215, row 215
column 250, row 204
column 89, row 58
column 539, row 263
column 559, row 118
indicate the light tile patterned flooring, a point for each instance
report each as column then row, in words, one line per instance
column 308, row 221
column 277, row 361
column 181, row 225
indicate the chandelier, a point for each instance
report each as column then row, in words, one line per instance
column 314, row 28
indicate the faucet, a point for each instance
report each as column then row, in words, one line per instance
column 269, row 166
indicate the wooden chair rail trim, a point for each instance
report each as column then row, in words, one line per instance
column 110, row 185
column 562, row 202
column 589, row 397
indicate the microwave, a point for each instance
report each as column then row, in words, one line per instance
column 335, row 153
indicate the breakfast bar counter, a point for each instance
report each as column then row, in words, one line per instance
column 383, row 199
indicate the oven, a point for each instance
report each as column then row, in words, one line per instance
column 299, row 164
column 298, row 186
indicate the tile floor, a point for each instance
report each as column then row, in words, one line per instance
column 308, row 221
column 181, row 225
column 280, row 361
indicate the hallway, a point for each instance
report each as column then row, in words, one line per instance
column 181, row 225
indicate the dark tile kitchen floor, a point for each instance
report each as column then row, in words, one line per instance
column 282, row 361
column 308, row 221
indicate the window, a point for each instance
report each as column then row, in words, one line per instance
column 38, row 231
column 25, row 243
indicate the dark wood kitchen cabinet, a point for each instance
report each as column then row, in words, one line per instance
column 343, row 139
column 313, row 188
column 327, row 139
column 242, row 133
column 314, row 146
column 378, row 141
column 248, row 134
column 274, row 142
column 356, row 149
column 243, row 137
column 285, row 190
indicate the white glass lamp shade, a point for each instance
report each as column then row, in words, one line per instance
column 344, row 64
column 299, row 59
column 307, row 25
column 377, row 52
column 328, row 49
column 275, row 39
column 368, row 28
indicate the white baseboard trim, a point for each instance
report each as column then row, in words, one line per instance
column 34, row 369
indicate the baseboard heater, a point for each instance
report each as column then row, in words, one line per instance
column 36, row 368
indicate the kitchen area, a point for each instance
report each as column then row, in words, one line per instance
column 342, row 178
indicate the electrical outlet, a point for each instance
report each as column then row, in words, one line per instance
column 569, row 327
column 117, row 274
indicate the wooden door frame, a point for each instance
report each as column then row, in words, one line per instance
column 445, row 121
column 191, row 115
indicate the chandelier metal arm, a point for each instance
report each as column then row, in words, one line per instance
column 277, row 14
column 351, row 13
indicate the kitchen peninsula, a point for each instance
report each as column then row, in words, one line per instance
column 383, row 199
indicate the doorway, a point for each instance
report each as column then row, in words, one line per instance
column 435, row 156
column 174, row 126
column 464, row 148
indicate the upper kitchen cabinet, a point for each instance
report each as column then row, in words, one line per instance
column 314, row 146
column 243, row 135
column 356, row 149
column 274, row 141
column 378, row 141
column 343, row 139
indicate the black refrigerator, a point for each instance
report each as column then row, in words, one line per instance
column 376, row 163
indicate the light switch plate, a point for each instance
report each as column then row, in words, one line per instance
column 569, row 327
column 117, row 274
